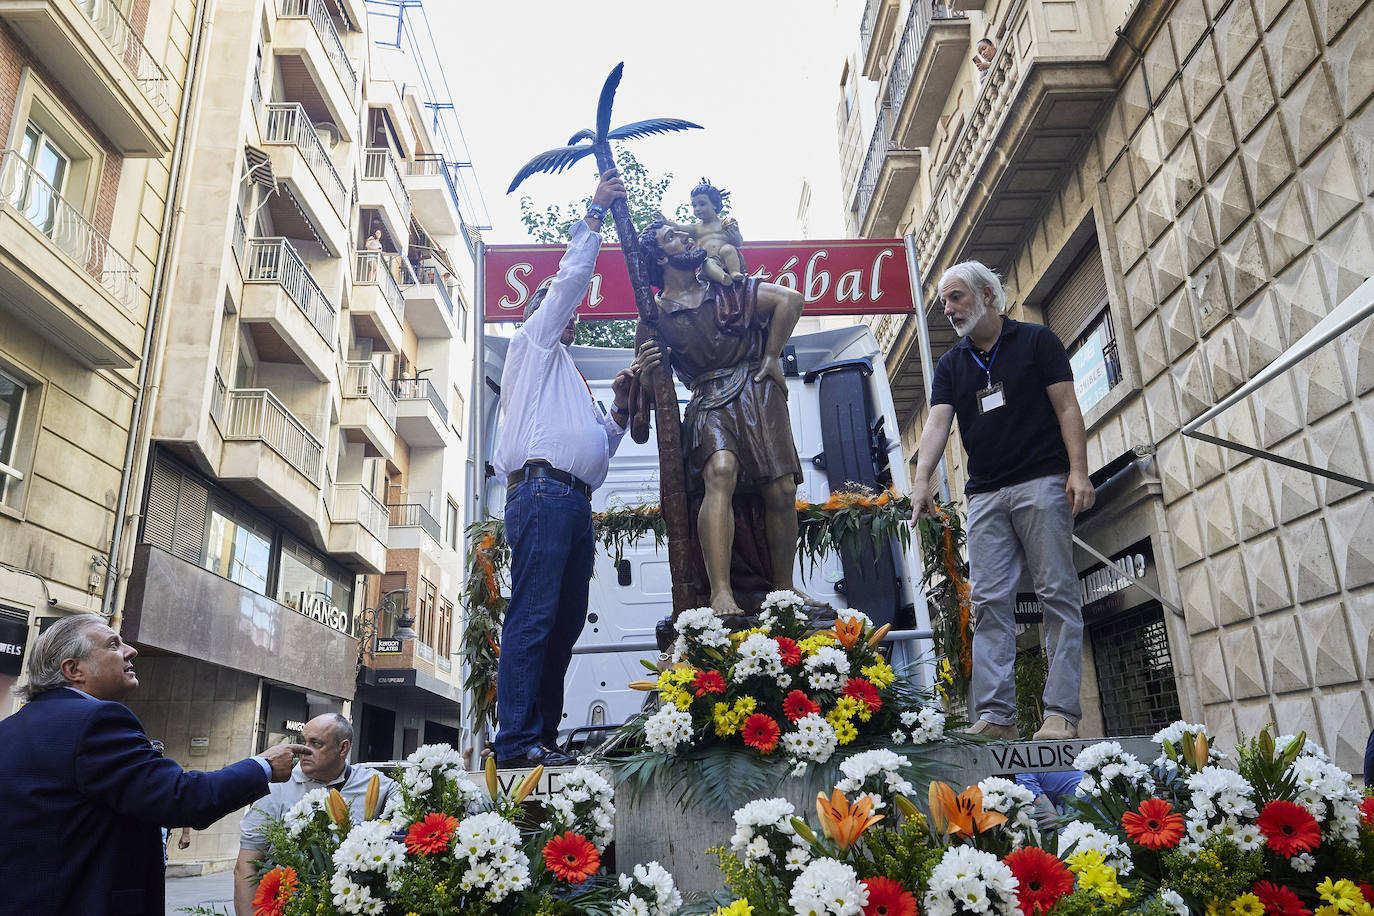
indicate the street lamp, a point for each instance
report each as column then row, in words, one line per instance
column 367, row 630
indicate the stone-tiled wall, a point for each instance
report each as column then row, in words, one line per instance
column 1230, row 185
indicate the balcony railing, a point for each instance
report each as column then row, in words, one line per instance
column 257, row 98
column 871, row 9
column 414, row 515
column 324, row 26
column 364, row 381
column 354, row 502
column 378, row 163
column 39, row 203
column 415, row 389
column 909, row 48
column 132, row 53
column 287, row 122
column 273, row 260
column 873, row 162
column 375, row 268
column 240, row 236
column 256, row 414
column 434, row 276
column 434, row 164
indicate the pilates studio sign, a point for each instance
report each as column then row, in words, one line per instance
column 841, row 277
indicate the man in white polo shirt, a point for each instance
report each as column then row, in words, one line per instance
column 555, row 447
column 329, row 738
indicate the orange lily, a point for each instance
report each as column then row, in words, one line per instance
column 842, row 822
column 374, row 788
column 848, row 631
column 493, row 786
column 338, row 808
column 528, row 785
column 878, row 635
column 963, row 814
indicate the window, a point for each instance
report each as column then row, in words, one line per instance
column 1095, row 362
column 238, row 550
column 445, row 644
column 452, row 527
column 425, row 615
column 462, row 317
column 458, row 405
column 13, row 394
column 38, row 194
column 309, row 585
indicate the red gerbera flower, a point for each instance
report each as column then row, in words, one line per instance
column 761, row 732
column 1041, row 879
column 791, row 652
column 863, row 690
column 887, row 898
column 1288, row 828
column 1368, row 892
column 431, row 834
column 275, row 888
column 1279, row 900
column 1367, row 811
column 571, row 858
column 709, row 682
column 798, row 705
column 1154, row 827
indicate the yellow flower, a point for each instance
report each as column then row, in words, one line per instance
column 673, row 686
column 1247, row 905
column 880, row 674
column 740, row 636
column 816, row 641
column 728, row 719
column 1084, row 859
column 846, row 732
column 1342, row 894
column 1101, row 880
column 1213, row 909
column 1326, row 910
column 740, row 907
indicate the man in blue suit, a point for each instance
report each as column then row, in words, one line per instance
column 82, row 791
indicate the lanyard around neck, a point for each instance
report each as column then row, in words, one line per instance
column 992, row 358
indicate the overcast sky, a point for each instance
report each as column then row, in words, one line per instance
column 761, row 76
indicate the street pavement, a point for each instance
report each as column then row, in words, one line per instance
column 214, row 890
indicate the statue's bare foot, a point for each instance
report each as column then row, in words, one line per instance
column 723, row 604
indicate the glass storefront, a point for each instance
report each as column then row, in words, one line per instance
column 237, row 552
column 308, row 585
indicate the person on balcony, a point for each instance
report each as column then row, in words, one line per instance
column 1011, row 386
column 982, row 58
column 554, row 449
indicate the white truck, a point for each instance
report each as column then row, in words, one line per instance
column 844, row 425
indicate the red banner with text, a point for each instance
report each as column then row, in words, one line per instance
column 843, row 277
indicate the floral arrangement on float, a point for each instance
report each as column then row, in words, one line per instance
column 738, row 708
column 444, row 846
column 1283, row 833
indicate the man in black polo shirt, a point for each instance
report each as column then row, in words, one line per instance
column 1011, row 387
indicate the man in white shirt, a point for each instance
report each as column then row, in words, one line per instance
column 329, row 738
column 555, row 448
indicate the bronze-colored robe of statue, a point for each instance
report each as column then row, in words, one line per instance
column 716, row 350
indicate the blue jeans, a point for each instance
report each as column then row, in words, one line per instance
column 1024, row 527
column 549, row 527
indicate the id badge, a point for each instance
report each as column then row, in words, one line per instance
column 991, row 398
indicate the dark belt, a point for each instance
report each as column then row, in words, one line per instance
column 533, row 471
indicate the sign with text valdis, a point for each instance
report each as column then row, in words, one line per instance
column 843, row 277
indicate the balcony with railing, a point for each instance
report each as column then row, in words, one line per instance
column 889, row 175
column 382, row 189
column 368, row 414
column 375, row 301
column 305, row 30
column 875, row 34
column 1035, row 110
column 240, row 242
column 931, row 54
column 283, row 301
column 358, row 527
column 429, row 179
column 429, row 302
column 421, row 414
column 92, row 50
column 267, row 450
column 301, row 161
column 62, row 274
column 408, row 525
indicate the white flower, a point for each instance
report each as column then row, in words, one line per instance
column 827, row 669
column 849, row 615
column 797, row 857
column 1106, row 764
column 1175, row 900
column 1017, row 803
column 779, row 607
column 701, row 626
column 668, row 729
column 814, row 739
column 927, row 724
column 1329, row 794
column 652, row 892
column 630, row 906
column 763, row 827
column 759, row 655
column 968, row 880
column 828, row 888
column 1080, row 835
column 875, row 774
column 585, row 803
column 1303, row 863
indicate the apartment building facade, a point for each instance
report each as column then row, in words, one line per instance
column 306, row 409
column 1180, row 190
column 91, row 98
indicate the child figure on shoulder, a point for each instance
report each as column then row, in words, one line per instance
column 719, row 238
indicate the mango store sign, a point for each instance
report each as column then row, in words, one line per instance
column 843, row 277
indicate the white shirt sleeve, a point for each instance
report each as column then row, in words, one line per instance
column 569, row 286
column 614, row 432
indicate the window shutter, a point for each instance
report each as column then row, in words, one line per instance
column 1078, row 298
column 192, row 501
column 159, row 521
